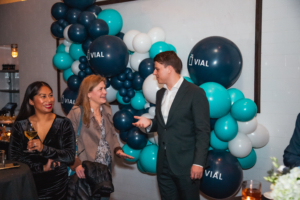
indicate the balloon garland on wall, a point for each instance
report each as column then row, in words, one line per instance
column 93, row 43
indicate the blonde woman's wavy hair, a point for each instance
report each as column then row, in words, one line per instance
column 86, row 86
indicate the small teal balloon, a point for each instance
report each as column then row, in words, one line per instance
column 149, row 143
column 62, row 61
column 61, row 48
column 140, row 167
column 130, row 52
column 243, row 110
column 226, row 128
column 235, row 94
column 210, row 148
column 218, row 98
column 148, row 158
column 172, row 48
column 157, row 48
column 113, row 19
column 138, row 101
column 67, row 73
column 188, row 79
column 120, row 99
column 248, row 161
column 216, row 143
column 131, row 152
column 76, row 51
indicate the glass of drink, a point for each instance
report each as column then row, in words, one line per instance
column 251, row 188
column 2, row 158
column 30, row 133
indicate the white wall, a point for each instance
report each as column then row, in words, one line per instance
column 185, row 22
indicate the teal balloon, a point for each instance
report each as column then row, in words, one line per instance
column 131, row 152
column 148, row 158
column 216, row 143
column 62, row 61
column 76, row 51
column 157, row 48
column 61, row 48
column 235, row 95
column 248, row 161
column 120, row 99
column 113, row 19
column 188, row 79
column 226, row 128
column 140, row 167
column 130, row 52
column 67, row 73
column 172, row 48
column 210, row 148
column 149, row 143
column 138, row 101
column 218, row 99
column 243, row 110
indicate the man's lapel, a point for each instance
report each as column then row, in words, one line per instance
column 160, row 96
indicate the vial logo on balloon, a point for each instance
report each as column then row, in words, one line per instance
column 197, row 61
column 93, row 43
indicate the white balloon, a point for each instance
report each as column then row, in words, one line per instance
column 67, row 49
column 128, row 38
column 152, row 111
column 128, row 65
column 142, row 43
column 150, row 87
column 247, row 127
column 147, row 115
column 66, row 36
column 260, row 137
column 67, row 43
column 153, row 137
column 147, row 105
column 136, row 59
column 157, row 34
column 240, row 146
column 75, row 67
column 111, row 94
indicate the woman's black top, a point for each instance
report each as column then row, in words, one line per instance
column 59, row 145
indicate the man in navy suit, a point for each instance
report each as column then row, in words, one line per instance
column 291, row 156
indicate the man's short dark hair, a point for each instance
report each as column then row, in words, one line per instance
column 169, row 58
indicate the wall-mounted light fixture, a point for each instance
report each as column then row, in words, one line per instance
column 14, row 50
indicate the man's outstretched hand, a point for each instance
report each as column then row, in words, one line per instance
column 142, row 123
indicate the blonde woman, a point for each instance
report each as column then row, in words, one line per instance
column 97, row 140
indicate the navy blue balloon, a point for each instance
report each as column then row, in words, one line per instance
column 72, row 15
column 59, row 11
column 68, row 99
column 86, row 44
column 123, row 120
column 146, row 67
column 120, row 35
column 127, row 70
column 107, row 83
column 98, row 28
column 74, row 83
column 81, row 75
column 82, row 66
column 123, row 135
column 116, row 83
column 137, row 82
column 136, row 139
column 215, row 59
column 94, row 9
column 57, row 30
column 129, row 108
column 108, row 55
column 140, row 113
column 130, row 93
column 79, row 4
column 212, row 123
column 152, row 105
column 123, row 92
column 126, row 99
column 146, row 110
column 129, row 76
column 127, row 84
column 122, row 77
column 86, row 18
column 224, row 176
column 77, row 33
column 83, row 59
column 63, row 23
column 88, row 71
